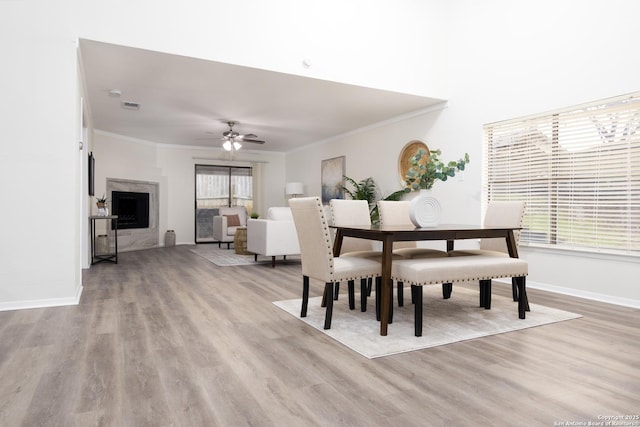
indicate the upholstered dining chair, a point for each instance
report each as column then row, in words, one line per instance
column 352, row 212
column 397, row 213
column 499, row 214
column 317, row 258
column 356, row 212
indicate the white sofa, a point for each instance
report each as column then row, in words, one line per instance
column 223, row 232
column 274, row 236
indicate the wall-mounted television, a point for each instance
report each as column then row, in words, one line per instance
column 92, row 171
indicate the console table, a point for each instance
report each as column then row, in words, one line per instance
column 108, row 257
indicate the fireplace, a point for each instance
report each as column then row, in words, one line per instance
column 129, row 238
column 132, row 209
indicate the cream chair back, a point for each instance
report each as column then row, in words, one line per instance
column 351, row 212
column 503, row 214
column 396, row 213
column 313, row 236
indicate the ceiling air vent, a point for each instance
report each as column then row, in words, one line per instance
column 130, row 105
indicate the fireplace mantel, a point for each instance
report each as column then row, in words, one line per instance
column 138, row 238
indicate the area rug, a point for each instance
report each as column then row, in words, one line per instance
column 444, row 321
column 224, row 257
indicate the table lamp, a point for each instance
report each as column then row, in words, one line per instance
column 294, row 189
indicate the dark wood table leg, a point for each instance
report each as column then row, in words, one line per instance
column 385, row 293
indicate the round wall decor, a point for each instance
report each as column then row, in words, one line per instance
column 407, row 152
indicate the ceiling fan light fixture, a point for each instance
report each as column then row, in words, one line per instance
column 233, row 140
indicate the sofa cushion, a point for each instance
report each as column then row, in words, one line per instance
column 241, row 211
column 233, row 220
column 280, row 214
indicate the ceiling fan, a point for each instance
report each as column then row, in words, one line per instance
column 232, row 139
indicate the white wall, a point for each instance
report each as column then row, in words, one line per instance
column 173, row 167
column 39, row 166
column 507, row 60
column 374, row 151
column 359, row 42
column 504, row 59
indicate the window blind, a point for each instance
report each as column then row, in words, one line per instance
column 578, row 170
column 223, row 185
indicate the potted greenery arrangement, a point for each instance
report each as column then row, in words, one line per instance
column 422, row 175
column 367, row 189
column 101, row 202
column 425, row 210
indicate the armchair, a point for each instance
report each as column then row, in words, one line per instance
column 227, row 222
column 274, row 236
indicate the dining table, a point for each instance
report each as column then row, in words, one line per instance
column 389, row 234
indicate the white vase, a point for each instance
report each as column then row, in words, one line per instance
column 425, row 210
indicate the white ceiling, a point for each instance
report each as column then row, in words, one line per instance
column 187, row 101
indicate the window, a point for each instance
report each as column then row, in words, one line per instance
column 578, row 170
column 218, row 186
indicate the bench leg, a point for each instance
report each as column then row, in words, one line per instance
column 416, row 296
column 327, row 316
column 447, row 288
column 336, row 291
column 305, row 296
column 485, row 294
column 400, row 294
column 514, row 288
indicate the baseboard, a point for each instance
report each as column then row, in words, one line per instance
column 42, row 303
column 594, row 296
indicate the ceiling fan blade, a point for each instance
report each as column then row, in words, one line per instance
column 233, row 136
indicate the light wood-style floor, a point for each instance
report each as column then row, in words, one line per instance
column 168, row 338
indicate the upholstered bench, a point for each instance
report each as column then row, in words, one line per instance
column 483, row 268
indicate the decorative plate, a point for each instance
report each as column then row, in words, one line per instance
column 407, row 152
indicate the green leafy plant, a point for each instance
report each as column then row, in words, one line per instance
column 423, row 175
column 255, row 215
column 362, row 190
column 101, row 200
column 367, row 189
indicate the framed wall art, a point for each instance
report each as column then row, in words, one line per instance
column 332, row 178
